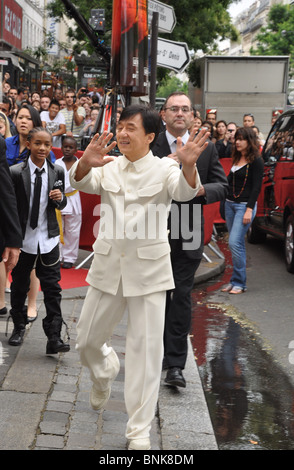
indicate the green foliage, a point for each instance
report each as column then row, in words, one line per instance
column 77, row 37
column 277, row 38
column 170, row 84
column 199, row 22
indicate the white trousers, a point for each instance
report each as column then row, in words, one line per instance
column 100, row 314
column 71, row 224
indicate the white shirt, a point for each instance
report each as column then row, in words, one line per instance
column 53, row 125
column 73, row 205
column 39, row 236
column 171, row 140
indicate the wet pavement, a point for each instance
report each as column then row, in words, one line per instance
column 44, row 400
column 249, row 395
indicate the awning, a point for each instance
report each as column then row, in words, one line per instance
column 12, row 57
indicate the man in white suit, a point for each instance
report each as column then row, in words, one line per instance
column 131, row 266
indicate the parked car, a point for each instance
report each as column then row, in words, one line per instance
column 275, row 211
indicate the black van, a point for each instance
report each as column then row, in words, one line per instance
column 275, row 205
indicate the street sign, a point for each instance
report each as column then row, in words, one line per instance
column 166, row 16
column 172, row 55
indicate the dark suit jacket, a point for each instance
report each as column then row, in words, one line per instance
column 10, row 231
column 212, row 177
column 22, row 184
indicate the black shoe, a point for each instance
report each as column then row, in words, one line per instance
column 16, row 338
column 67, row 265
column 31, row 319
column 175, row 377
column 3, row 311
column 55, row 346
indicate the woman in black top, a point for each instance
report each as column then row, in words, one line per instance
column 245, row 179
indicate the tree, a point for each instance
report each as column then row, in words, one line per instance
column 170, row 84
column 199, row 22
column 76, row 36
column 277, row 37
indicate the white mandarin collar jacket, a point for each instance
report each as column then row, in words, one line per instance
column 132, row 244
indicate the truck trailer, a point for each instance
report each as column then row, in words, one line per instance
column 233, row 86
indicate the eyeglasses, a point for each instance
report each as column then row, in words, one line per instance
column 176, row 109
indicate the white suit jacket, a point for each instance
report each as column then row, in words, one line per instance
column 132, row 244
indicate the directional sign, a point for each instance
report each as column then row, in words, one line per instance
column 166, row 16
column 172, row 55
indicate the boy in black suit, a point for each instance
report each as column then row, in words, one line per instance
column 39, row 189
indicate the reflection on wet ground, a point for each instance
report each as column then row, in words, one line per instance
column 251, row 401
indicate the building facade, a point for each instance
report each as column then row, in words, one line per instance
column 248, row 23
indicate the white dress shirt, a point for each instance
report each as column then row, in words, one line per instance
column 171, row 140
column 39, row 236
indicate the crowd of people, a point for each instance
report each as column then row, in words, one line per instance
column 65, row 117
column 62, row 112
column 154, row 276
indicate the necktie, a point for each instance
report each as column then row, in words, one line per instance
column 36, row 200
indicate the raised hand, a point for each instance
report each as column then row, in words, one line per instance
column 189, row 153
column 95, row 154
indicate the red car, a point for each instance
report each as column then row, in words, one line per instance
column 275, row 211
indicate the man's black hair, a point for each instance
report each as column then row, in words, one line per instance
column 150, row 117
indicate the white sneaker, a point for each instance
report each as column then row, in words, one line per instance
column 99, row 398
column 140, row 444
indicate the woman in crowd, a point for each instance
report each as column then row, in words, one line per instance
column 209, row 127
column 245, row 179
column 220, row 130
column 4, row 132
column 4, row 126
column 26, row 118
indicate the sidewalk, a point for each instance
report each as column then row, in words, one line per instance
column 44, row 400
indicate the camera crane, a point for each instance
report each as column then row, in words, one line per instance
column 110, row 96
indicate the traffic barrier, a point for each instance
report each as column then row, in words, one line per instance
column 226, row 164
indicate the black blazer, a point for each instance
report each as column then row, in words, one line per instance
column 22, row 184
column 212, row 177
column 10, row 231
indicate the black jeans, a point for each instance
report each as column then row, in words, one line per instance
column 48, row 271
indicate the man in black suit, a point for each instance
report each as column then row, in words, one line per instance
column 185, row 254
column 10, row 232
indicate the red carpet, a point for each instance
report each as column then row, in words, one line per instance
column 72, row 278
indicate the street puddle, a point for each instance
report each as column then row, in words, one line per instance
column 250, row 399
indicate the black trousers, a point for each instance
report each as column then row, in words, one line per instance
column 178, row 309
column 48, row 271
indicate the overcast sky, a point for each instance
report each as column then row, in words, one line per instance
column 238, row 7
